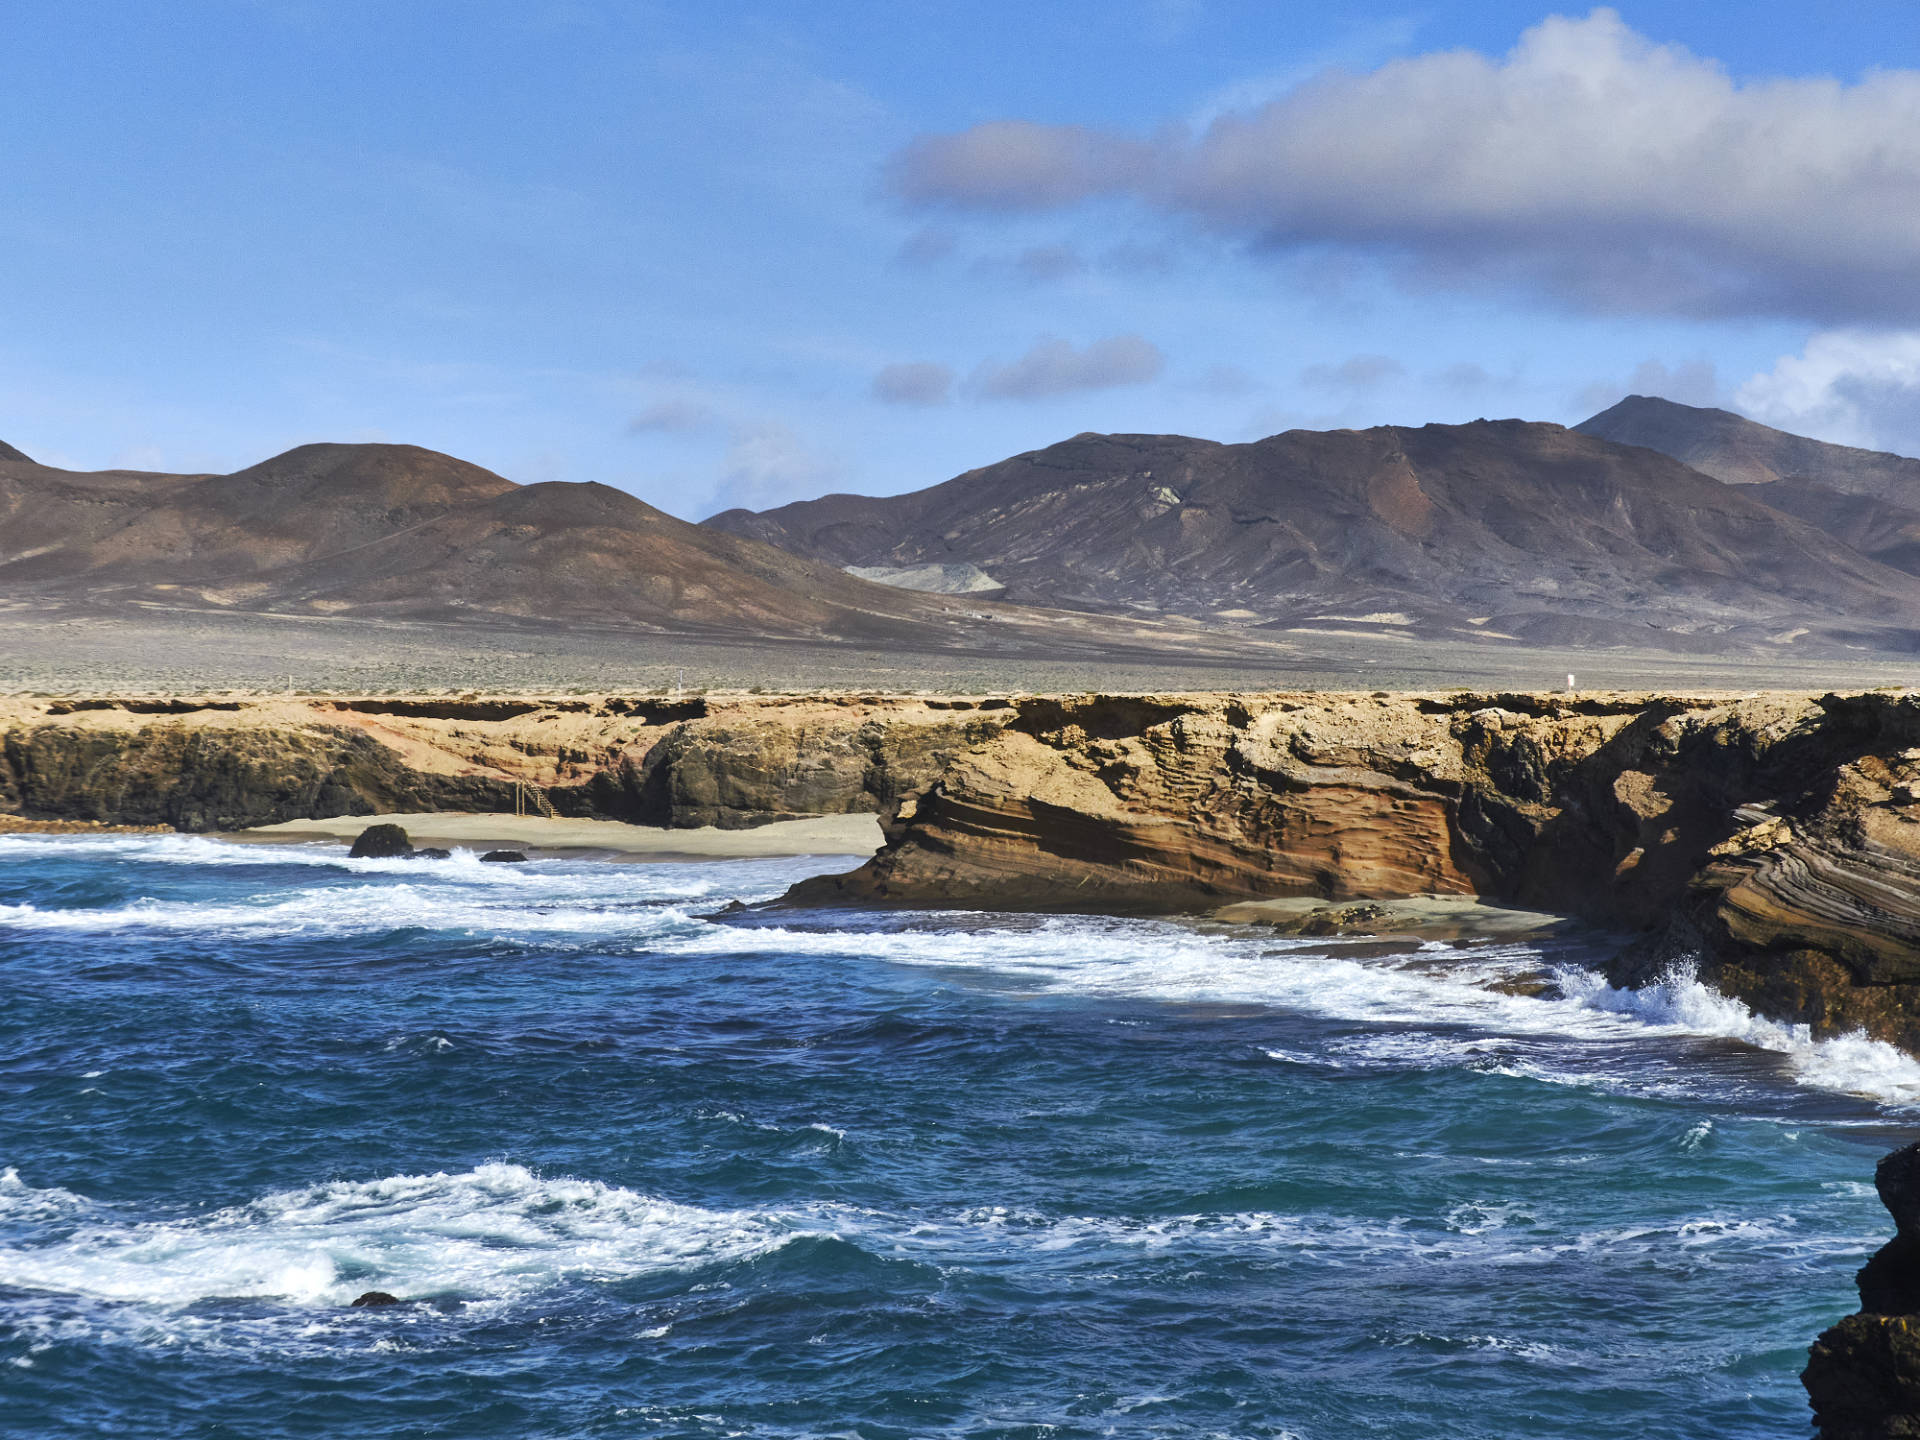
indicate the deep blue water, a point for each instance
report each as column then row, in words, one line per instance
column 641, row 1173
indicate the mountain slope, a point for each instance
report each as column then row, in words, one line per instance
column 7, row 452
column 397, row 531
column 1866, row 499
column 1740, row 451
column 1494, row 527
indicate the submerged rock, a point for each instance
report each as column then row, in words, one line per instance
column 380, row 842
column 374, row 1298
column 1863, row 1375
column 429, row 852
column 503, row 857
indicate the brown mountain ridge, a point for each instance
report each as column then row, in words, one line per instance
column 1504, row 528
column 400, row 532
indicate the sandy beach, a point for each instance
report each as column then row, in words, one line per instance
column 857, row 835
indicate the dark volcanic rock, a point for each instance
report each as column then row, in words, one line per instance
column 429, row 852
column 1863, row 1375
column 381, row 842
column 503, row 857
column 1740, row 451
column 375, row 1299
column 1497, row 528
column 1865, row 499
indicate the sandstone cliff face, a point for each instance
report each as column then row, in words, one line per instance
column 223, row 764
column 1773, row 842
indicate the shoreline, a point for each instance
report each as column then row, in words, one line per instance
column 855, row 836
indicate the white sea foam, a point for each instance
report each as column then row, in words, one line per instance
column 1438, row 1008
column 495, row 1232
column 1450, row 1003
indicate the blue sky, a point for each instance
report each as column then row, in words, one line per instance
column 745, row 253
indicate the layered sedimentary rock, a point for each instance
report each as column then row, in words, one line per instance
column 1773, row 842
column 1863, row 1375
column 228, row 764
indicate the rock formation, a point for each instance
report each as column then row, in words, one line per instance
column 380, row 842
column 1772, row 842
column 227, row 764
column 1863, row 1375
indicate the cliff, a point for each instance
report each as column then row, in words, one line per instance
column 1863, row 1374
column 201, row 765
column 1772, row 841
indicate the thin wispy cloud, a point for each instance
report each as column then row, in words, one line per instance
column 675, row 416
column 1360, row 372
column 914, row 383
column 1056, row 367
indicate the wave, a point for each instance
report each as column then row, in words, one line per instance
column 1437, row 1007
column 556, row 901
column 496, row 1232
column 1451, row 1005
column 504, row 1233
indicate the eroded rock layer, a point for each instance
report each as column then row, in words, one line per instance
column 1773, row 842
column 228, row 764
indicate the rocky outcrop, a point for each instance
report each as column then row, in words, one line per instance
column 749, row 765
column 1863, row 1375
column 380, row 842
column 1772, row 842
column 224, row 764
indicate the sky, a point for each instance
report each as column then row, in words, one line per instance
column 744, row 253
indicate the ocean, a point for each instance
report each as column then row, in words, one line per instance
column 639, row 1168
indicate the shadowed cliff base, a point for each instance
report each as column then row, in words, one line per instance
column 1863, row 1374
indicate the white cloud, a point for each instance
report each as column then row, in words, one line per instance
column 1054, row 367
column 1853, row 387
column 1590, row 164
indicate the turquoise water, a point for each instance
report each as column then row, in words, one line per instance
column 640, row 1173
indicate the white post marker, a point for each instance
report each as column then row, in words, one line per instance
column 1569, row 682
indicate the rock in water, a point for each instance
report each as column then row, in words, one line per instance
column 1863, row 1375
column 380, row 842
column 503, row 857
column 429, row 852
column 376, row 1297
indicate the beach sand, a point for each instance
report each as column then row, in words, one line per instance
column 856, row 835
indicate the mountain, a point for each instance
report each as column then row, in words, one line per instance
column 396, row 531
column 1866, row 499
column 1740, row 451
column 1493, row 528
column 7, row 452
